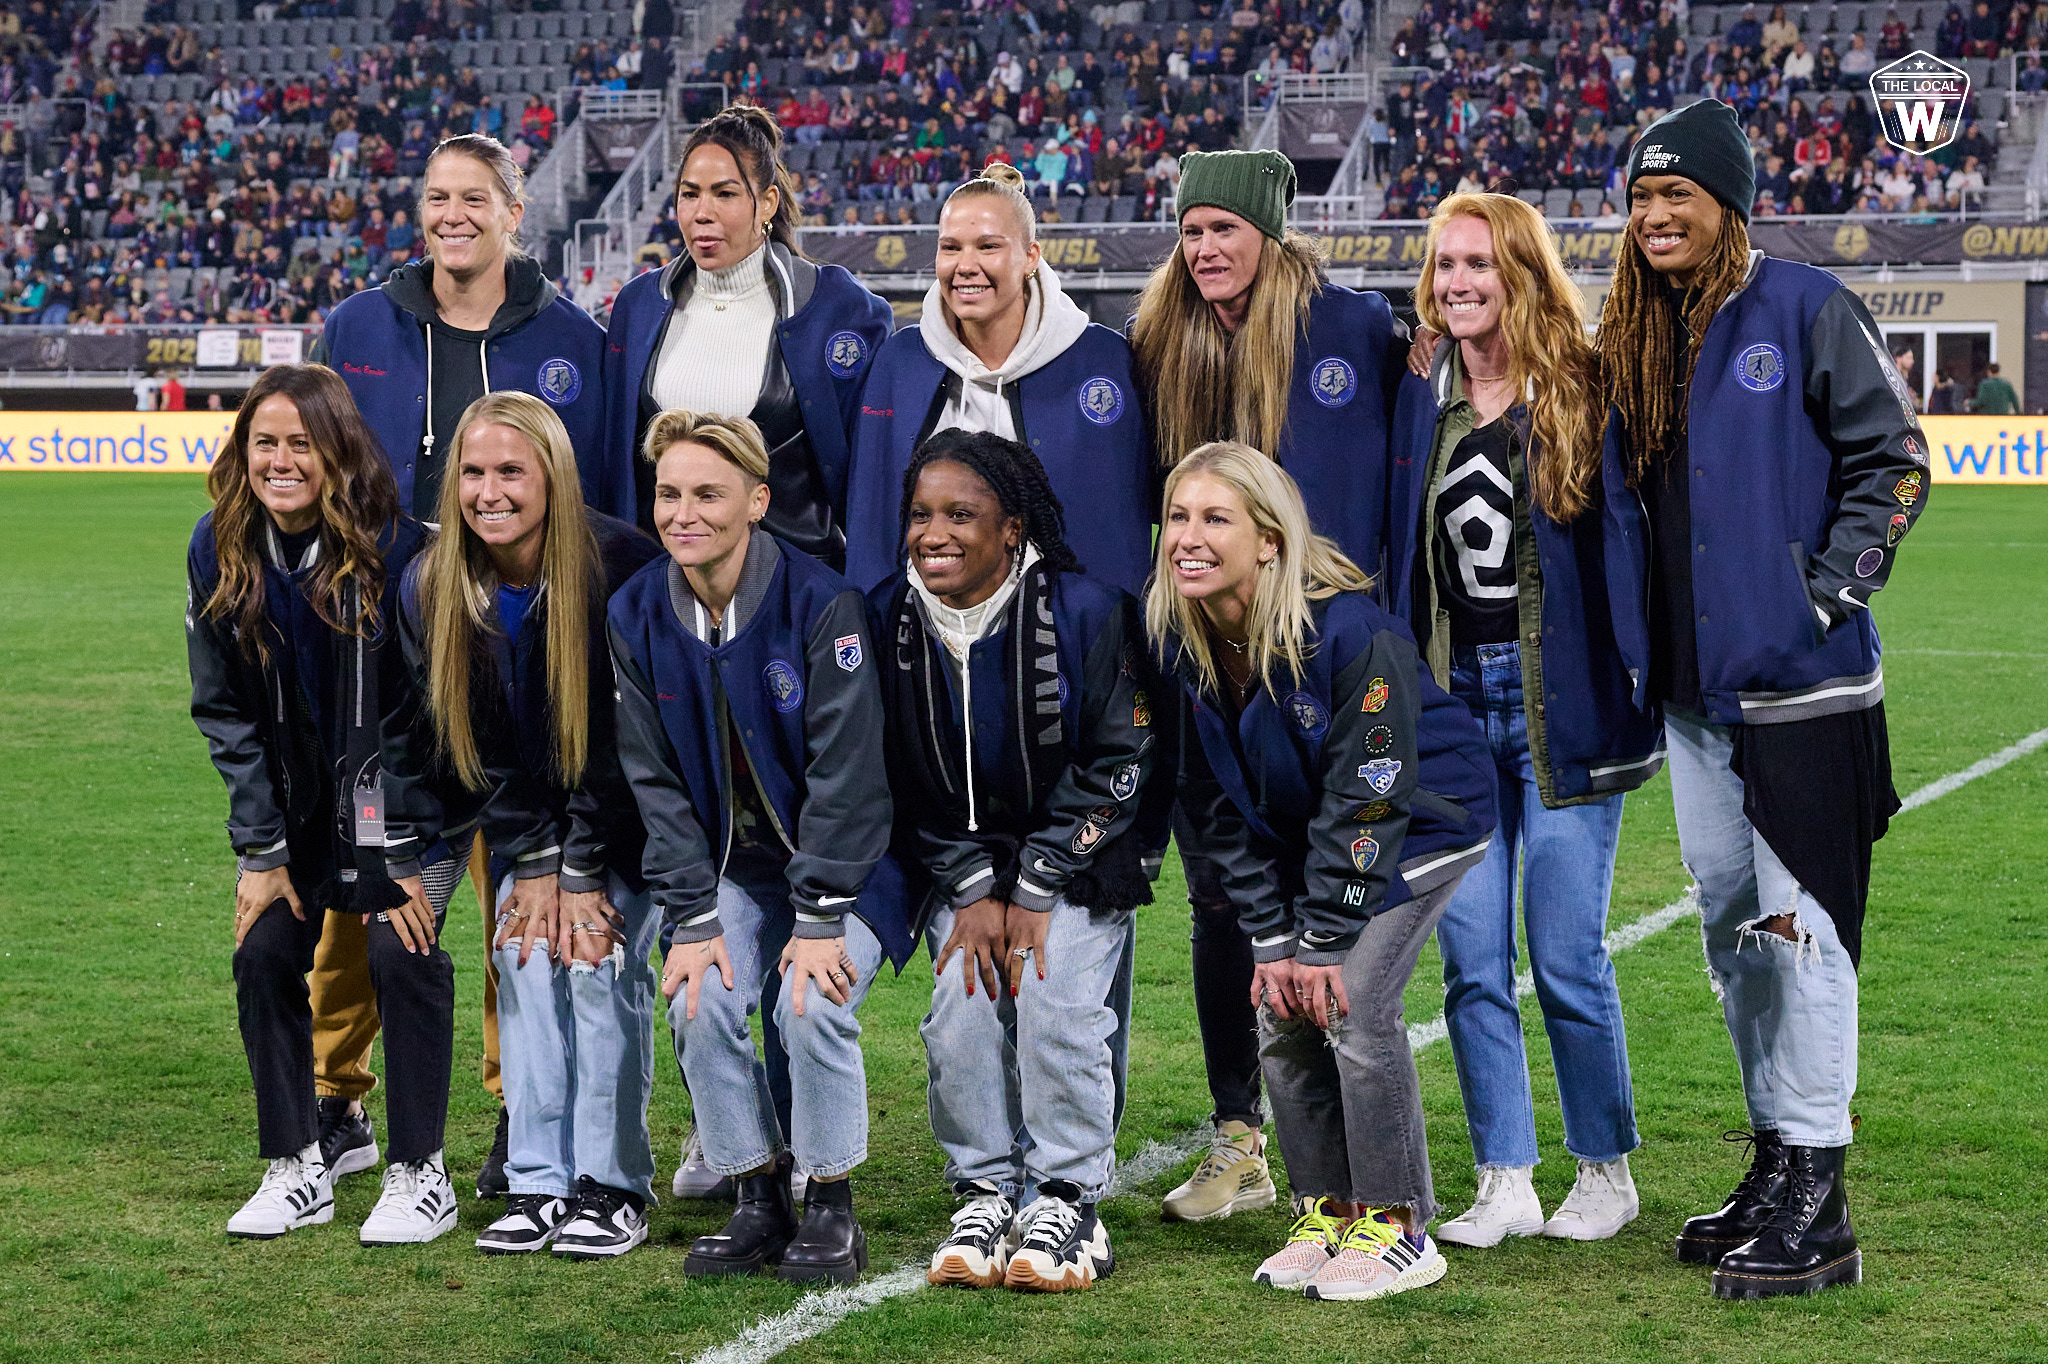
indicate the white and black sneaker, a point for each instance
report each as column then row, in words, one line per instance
column 347, row 1141
column 605, row 1222
column 1065, row 1245
column 418, row 1204
column 985, row 1235
column 295, row 1192
column 529, row 1223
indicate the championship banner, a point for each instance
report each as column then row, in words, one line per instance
column 1987, row 449
column 102, row 442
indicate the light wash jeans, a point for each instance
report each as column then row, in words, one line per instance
column 1030, row 1089
column 1567, row 871
column 577, row 1055
column 735, row 1112
column 1790, row 1005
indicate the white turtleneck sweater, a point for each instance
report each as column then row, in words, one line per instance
column 716, row 350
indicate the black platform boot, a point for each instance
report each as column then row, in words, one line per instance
column 1704, row 1240
column 829, row 1246
column 1807, row 1243
column 760, row 1227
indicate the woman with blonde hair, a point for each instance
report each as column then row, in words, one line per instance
column 1239, row 337
column 1001, row 348
column 1501, row 571
column 502, row 620
column 1342, row 796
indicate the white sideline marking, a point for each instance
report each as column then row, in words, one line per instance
column 818, row 1312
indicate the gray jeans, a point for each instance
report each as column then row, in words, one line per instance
column 1030, row 1089
column 1347, row 1103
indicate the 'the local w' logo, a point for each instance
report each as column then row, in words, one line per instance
column 1920, row 101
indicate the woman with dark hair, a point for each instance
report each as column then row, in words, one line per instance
column 742, row 325
column 1018, row 761
column 293, row 581
column 502, row 620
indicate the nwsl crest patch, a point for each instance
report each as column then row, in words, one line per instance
column 1333, row 381
column 1379, row 739
column 845, row 352
column 1761, row 368
column 558, row 381
column 1365, row 850
column 1379, row 774
column 1308, row 715
column 1102, row 402
column 785, row 688
column 846, row 652
column 1123, row 783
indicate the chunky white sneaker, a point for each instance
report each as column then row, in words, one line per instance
column 529, row 1223
column 1506, row 1206
column 1601, row 1203
column 1314, row 1239
column 418, row 1204
column 1233, row 1176
column 1376, row 1259
column 605, row 1223
column 695, row 1179
column 985, row 1235
column 295, row 1192
column 1065, row 1245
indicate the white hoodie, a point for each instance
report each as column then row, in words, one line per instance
column 1052, row 323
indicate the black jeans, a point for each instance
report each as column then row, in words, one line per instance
column 415, row 1000
column 1223, row 986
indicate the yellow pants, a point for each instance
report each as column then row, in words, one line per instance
column 345, row 1006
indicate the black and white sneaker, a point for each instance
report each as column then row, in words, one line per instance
column 977, row 1254
column 491, row 1181
column 295, row 1192
column 418, row 1204
column 605, row 1222
column 529, row 1223
column 1065, row 1245
column 347, row 1141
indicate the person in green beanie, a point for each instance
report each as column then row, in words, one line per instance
column 1239, row 336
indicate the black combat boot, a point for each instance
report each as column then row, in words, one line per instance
column 760, row 1227
column 1807, row 1243
column 829, row 1246
column 1705, row 1239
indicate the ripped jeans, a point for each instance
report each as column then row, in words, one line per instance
column 578, row 1059
column 1790, row 1005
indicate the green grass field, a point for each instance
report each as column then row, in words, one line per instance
column 127, row 1128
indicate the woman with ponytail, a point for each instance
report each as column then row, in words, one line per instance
column 502, row 621
column 742, row 325
column 1001, row 348
column 293, row 584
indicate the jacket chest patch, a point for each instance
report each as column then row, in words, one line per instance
column 1333, row 381
column 1308, row 715
column 784, row 686
column 1102, row 402
column 845, row 353
column 1761, row 368
column 558, row 381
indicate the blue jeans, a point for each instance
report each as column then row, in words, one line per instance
column 735, row 1111
column 1030, row 1089
column 1790, row 1005
column 1567, row 868
column 577, row 1056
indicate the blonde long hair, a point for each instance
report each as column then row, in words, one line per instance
column 1543, row 321
column 1307, row 567
column 458, row 584
column 1200, row 382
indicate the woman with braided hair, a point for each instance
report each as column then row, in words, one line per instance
column 1018, row 761
column 1772, row 449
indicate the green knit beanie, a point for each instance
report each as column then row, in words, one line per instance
column 1256, row 186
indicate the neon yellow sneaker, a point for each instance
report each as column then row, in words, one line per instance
column 1376, row 1259
column 1314, row 1239
column 1232, row 1176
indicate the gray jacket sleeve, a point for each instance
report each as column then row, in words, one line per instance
column 843, row 828
column 1864, row 411
column 681, row 874
column 230, row 721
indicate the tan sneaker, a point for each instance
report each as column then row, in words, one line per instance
column 1232, row 1176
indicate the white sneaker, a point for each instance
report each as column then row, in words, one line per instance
column 418, row 1204
column 1506, row 1206
column 1601, row 1203
column 602, row 1225
column 295, row 1192
column 695, row 1179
